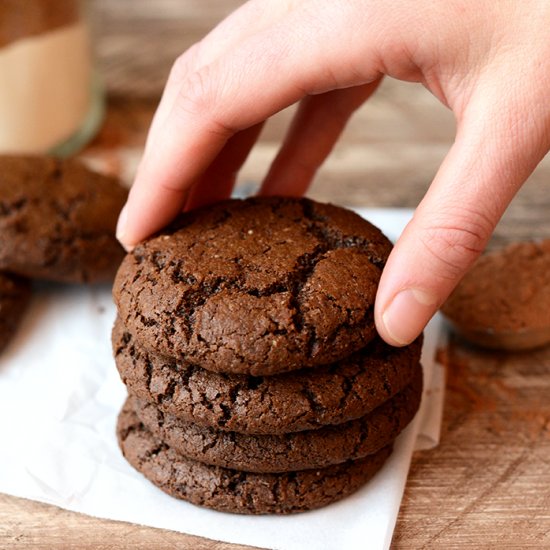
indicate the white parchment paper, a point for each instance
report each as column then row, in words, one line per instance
column 59, row 397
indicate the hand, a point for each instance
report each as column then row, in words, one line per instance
column 487, row 61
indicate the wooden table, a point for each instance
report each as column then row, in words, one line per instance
column 487, row 485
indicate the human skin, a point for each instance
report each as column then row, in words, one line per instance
column 488, row 61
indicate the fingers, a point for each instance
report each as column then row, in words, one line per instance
column 265, row 73
column 311, row 137
column 154, row 199
column 497, row 146
column 217, row 182
column 248, row 19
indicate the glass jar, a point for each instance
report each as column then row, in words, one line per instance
column 50, row 98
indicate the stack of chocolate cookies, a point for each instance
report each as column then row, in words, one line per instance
column 256, row 380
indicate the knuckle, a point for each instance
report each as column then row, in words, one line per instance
column 200, row 97
column 184, row 63
column 196, row 93
column 179, row 68
column 455, row 246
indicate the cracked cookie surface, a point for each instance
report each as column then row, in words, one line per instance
column 288, row 402
column 15, row 293
column 286, row 452
column 257, row 286
column 58, row 220
column 235, row 491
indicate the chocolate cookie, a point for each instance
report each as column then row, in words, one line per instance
column 15, row 293
column 287, row 452
column 235, row 491
column 290, row 402
column 260, row 286
column 504, row 300
column 58, row 219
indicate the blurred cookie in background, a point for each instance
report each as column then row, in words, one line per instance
column 503, row 302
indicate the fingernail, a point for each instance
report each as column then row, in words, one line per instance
column 121, row 228
column 408, row 314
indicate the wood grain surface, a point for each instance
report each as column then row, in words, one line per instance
column 487, row 485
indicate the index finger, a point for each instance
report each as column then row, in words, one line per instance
column 265, row 73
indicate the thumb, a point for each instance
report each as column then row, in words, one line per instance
column 498, row 144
